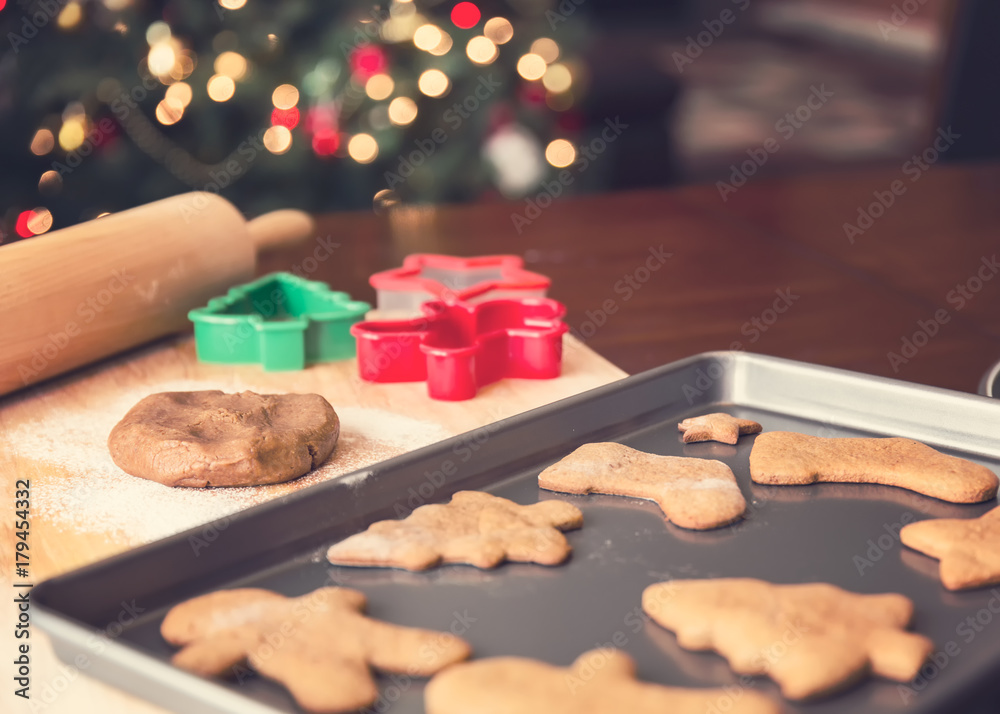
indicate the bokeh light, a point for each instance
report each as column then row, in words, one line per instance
column 232, row 4
column 402, row 111
column 221, row 88
column 288, row 118
column 278, row 139
column 443, row 46
column 70, row 16
column 42, row 142
column 499, row 30
column 560, row 153
column 39, row 220
column 362, row 148
column 427, row 37
column 531, row 66
column 161, row 58
column 481, row 50
column 465, row 15
column 50, row 182
column 545, row 48
column 379, row 87
column 169, row 111
column 434, row 83
column 231, row 64
column 325, row 142
column 158, row 32
column 285, row 97
column 557, row 78
column 72, row 134
column 180, row 92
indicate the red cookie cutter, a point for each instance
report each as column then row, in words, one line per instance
column 426, row 276
column 458, row 347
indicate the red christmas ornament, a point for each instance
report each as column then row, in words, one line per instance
column 465, row 15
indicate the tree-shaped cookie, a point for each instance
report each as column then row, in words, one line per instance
column 693, row 493
column 716, row 427
column 475, row 528
column 811, row 639
column 320, row 645
column 599, row 682
column 969, row 549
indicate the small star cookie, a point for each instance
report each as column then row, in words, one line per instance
column 969, row 549
column 717, row 427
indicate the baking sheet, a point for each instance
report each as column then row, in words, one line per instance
column 109, row 613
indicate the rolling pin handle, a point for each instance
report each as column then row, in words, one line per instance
column 280, row 228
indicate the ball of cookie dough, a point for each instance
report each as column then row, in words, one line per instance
column 211, row 438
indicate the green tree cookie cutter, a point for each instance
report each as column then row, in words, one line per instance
column 281, row 321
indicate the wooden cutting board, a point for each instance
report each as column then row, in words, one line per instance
column 84, row 509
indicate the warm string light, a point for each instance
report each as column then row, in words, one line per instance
column 70, row 16
column 434, row 83
column 379, row 87
column 560, row 153
column 285, row 96
column 557, row 78
column 362, row 148
column 231, row 64
column 481, row 50
column 499, row 30
column 43, row 142
column 402, row 111
column 221, row 88
column 278, row 139
column 531, row 66
column 545, row 48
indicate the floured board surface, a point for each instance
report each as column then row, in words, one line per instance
column 84, row 508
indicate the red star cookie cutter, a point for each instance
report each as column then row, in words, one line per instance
column 427, row 276
column 459, row 347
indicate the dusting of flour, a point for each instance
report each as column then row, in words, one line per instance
column 82, row 489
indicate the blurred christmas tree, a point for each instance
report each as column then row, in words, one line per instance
column 106, row 104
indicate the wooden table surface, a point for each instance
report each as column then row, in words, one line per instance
column 844, row 304
column 648, row 277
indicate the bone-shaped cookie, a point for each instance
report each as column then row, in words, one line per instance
column 969, row 549
column 786, row 458
column 693, row 493
column 599, row 682
column 811, row 639
column 475, row 528
column 320, row 645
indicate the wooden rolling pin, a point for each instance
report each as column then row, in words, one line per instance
column 82, row 293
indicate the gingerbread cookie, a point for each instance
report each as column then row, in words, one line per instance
column 318, row 645
column 969, row 549
column 811, row 639
column 474, row 528
column 599, row 682
column 210, row 438
column 786, row 458
column 693, row 493
column 716, row 427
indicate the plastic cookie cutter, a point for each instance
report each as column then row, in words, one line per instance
column 281, row 321
column 459, row 347
column 426, row 276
